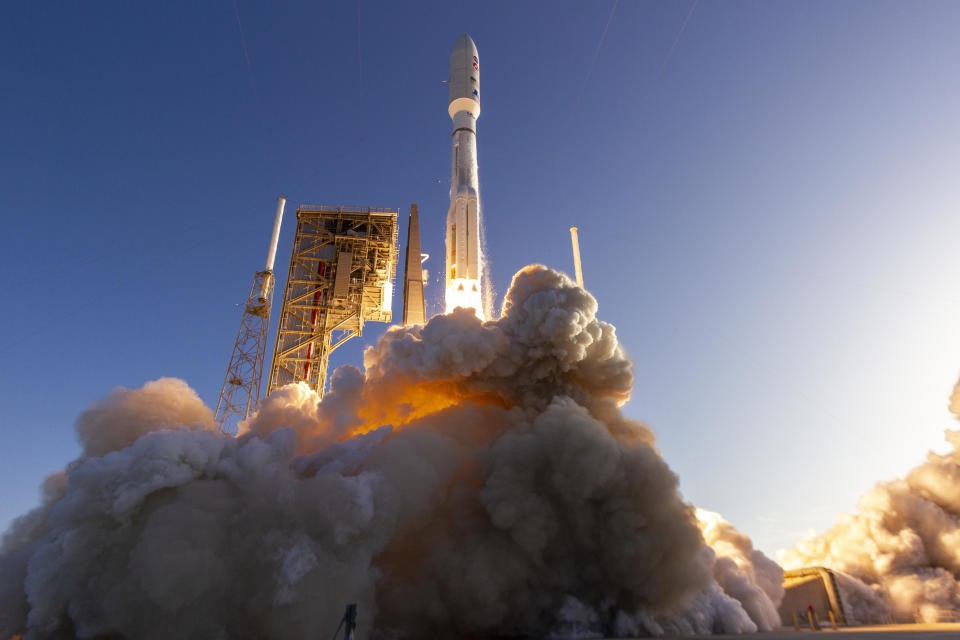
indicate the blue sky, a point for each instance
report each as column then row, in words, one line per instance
column 769, row 216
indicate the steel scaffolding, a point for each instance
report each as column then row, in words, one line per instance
column 240, row 394
column 341, row 275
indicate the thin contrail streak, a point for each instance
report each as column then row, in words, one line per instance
column 258, row 107
column 596, row 54
column 360, row 109
column 359, row 50
column 243, row 43
column 683, row 28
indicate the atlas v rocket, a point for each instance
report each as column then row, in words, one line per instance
column 464, row 261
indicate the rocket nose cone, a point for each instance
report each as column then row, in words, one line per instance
column 464, row 42
column 464, row 79
column 464, row 39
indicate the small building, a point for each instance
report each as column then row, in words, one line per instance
column 815, row 587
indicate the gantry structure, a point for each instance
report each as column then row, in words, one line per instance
column 341, row 276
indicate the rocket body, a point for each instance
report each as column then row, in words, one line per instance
column 464, row 259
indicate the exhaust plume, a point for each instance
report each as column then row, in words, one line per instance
column 478, row 478
column 903, row 543
column 743, row 572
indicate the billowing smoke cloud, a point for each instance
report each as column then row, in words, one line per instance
column 743, row 572
column 118, row 420
column 903, row 543
column 477, row 478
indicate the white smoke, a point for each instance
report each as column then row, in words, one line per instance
column 118, row 420
column 477, row 478
column 903, row 543
column 743, row 572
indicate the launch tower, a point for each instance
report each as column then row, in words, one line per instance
column 240, row 394
column 341, row 275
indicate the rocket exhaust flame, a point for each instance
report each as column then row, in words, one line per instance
column 463, row 292
column 483, row 466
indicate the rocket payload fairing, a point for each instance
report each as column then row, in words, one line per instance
column 464, row 261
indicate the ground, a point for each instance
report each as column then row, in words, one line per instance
column 942, row 631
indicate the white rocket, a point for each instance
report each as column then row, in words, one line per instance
column 464, row 261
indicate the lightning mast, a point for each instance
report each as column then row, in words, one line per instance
column 414, row 311
column 240, row 395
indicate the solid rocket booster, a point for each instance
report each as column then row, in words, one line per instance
column 464, row 261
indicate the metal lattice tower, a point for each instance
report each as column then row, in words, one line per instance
column 240, row 394
column 341, row 275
